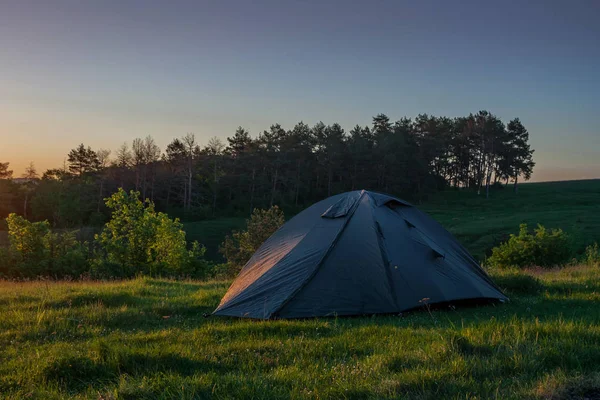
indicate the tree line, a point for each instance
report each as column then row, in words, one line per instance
column 292, row 168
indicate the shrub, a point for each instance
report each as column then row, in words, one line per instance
column 239, row 247
column 592, row 255
column 35, row 250
column 27, row 239
column 224, row 271
column 140, row 240
column 544, row 248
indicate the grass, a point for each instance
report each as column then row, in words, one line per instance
column 146, row 338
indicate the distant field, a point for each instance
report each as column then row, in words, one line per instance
column 211, row 233
column 147, row 339
column 481, row 223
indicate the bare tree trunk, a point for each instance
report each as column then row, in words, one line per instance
column 480, row 175
column 100, row 195
column 215, row 188
column 25, row 205
column 297, row 184
column 152, row 185
column 137, row 178
column 185, row 195
column 189, row 193
column 330, row 172
column 252, row 190
column 168, row 194
column 274, row 186
column 144, row 175
column 516, row 188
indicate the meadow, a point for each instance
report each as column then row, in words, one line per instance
column 147, row 338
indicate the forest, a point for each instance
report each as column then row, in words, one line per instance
column 411, row 158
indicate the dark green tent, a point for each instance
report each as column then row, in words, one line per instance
column 355, row 253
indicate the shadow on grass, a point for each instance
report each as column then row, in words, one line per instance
column 21, row 299
column 77, row 373
column 179, row 286
column 93, row 298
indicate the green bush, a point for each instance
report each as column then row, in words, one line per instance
column 592, row 255
column 138, row 240
column 544, row 248
column 239, row 247
column 36, row 251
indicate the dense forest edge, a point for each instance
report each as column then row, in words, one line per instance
column 409, row 158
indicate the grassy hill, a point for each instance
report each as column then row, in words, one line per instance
column 480, row 223
column 147, row 339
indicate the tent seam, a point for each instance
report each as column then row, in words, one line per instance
column 349, row 216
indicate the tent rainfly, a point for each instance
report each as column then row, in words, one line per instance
column 356, row 253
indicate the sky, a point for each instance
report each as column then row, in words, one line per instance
column 105, row 72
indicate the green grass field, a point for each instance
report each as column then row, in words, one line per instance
column 480, row 223
column 147, row 339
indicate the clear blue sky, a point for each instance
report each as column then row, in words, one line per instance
column 104, row 72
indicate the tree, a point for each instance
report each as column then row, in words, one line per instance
column 83, row 160
column 239, row 143
column 297, row 147
column 270, row 142
column 519, row 154
column 360, row 153
column 382, row 130
column 138, row 160
column 191, row 148
column 103, row 163
column 243, row 152
column 30, row 172
column 123, row 161
column 176, row 159
column 152, row 156
column 123, row 156
column 28, row 186
column 5, row 173
column 214, row 149
column 331, row 147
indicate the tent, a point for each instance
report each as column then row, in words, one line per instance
column 356, row 253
